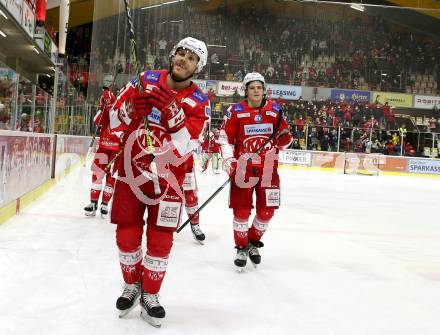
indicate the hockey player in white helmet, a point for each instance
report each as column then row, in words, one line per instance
column 253, row 125
column 178, row 113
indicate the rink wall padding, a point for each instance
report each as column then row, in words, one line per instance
column 31, row 163
column 360, row 163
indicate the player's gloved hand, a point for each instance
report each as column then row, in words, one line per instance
column 283, row 138
column 230, row 166
column 172, row 117
column 139, row 105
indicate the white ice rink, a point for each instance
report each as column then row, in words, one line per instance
column 345, row 255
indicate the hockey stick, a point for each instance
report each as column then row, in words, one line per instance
column 89, row 151
column 134, row 61
column 217, row 191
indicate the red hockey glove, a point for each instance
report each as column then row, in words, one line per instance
column 139, row 105
column 283, row 139
column 173, row 116
column 230, row 166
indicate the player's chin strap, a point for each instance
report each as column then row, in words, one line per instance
column 217, row 191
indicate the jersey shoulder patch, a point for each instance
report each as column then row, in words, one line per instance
column 276, row 107
column 151, row 77
column 237, row 108
column 199, row 96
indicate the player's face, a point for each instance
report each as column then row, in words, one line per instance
column 184, row 63
column 254, row 93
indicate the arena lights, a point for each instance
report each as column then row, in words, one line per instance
column 358, row 7
column 3, row 14
column 2, row 33
column 36, row 50
column 163, row 4
column 216, row 46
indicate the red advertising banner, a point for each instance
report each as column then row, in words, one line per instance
column 24, row 164
column 70, row 150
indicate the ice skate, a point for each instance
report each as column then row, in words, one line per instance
column 151, row 310
column 198, row 234
column 254, row 254
column 104, row 210
column 129, row 298
column 241, row 258
column 90, row 209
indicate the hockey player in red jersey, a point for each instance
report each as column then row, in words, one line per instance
column 249, row 125
column 162, row 125
column 211, row 150
column 108, row 146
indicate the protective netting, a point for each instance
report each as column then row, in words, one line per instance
column 315, row 56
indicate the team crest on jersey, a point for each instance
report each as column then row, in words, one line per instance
column 151, row 76
column 258, row 118
column 238, row 108
column 258, row 129
column 199, row 96
column 154, row 115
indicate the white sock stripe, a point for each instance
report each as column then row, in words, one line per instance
column 260, row 225
column 191, row 210
column 130, row 258
column 240, row 226
column 96, row 187
column 157, row 264
column 108, row 189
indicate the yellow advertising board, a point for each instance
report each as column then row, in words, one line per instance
column 393, row 99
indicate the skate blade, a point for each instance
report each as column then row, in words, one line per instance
column 199, row 242
column 90, row 214
column 104, row 216
column 126, row 311
column 255, row 265
column 239, row 269
column 155, row 322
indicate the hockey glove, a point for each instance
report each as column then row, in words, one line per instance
column 139, row 105
column 230, row 166
column 173, row 116
column 283, row 139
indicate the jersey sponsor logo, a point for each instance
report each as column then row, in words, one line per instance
column 154, row 115
column 242, row 115
column 258, row 129
column 272, row 197
column 190, row 102
column 270, row 113
column 189, row 183
column 276, row 107
column 151, row 76
column 199, row 96
column 208, row 111
column 258, row 118
column 237, row 108
column 169, row 214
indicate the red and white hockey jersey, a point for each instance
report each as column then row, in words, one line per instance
column 245, row 129
column 107, row 139
column 173, row 149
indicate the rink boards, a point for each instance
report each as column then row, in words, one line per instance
column 31, row 163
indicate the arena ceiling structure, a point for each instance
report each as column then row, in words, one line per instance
column 420, row 15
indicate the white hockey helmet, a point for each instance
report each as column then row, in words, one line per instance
column 107, row 81
column 196, row 46
column 253, row 76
